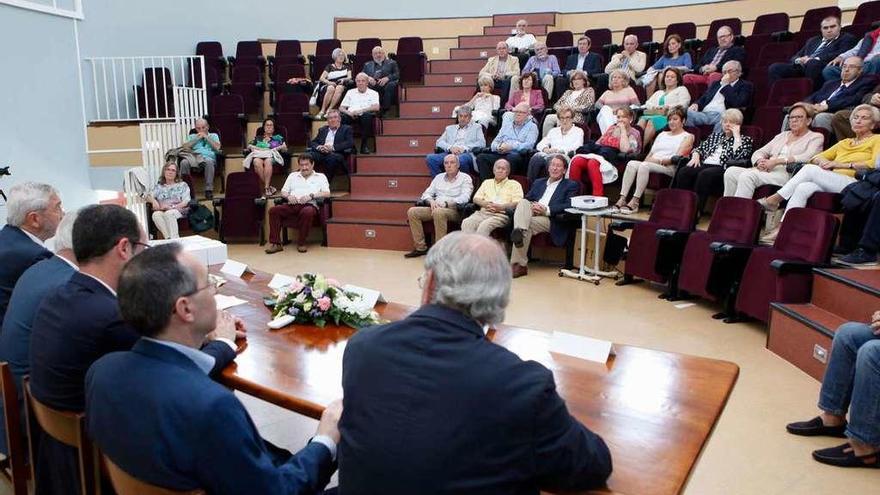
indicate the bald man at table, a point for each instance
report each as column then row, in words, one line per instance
column 431, row 406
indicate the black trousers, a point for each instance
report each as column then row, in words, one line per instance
column 705, row 180
column 365, row 121
column 486, row 161
column 330, row 164
column 862, row 229
column 812, row 70
column 387, row 94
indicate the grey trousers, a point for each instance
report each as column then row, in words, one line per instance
column 209, row 165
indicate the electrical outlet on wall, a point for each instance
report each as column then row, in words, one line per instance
column 435, row 50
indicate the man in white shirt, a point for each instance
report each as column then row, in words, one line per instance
column 439, row 202
column 360, row 104
column 520, row 42
column 302, row 189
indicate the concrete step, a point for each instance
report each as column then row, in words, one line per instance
column 421, row 109
column 364, row 184
column 355, row 233
column 466, row 66
column 480, row 40
column 849, row 293
column 460, row 53
column 405, row 144
column 801, row 334
column 396, row 164
column 373, row 208
column 507, row 30
column 415, row 127
column 467, row 79
column 532, row 18
column 435, row 93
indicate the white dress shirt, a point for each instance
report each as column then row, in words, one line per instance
column 570, row 141
column 356, row 101
column 298, row 186
column 450, row 192
column 33, row 237
column 548, row 193
column 717, row 103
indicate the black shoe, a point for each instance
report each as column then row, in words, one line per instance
column 841, row 251
column 843, row 456
column 365, row 150
column 415, row 253
column 209, row 194
column 517, row 237
column 815, row 428
column 859, row 257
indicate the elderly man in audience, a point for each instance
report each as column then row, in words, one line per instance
column 204, row 145
column 520, row 42
column 728, row 92
column 815, row 54
column 560, row 140
column 515, row 137
column 383, row 74
column 583, row 60
column 851, row 381
column 501, row 68
column 439, row 203
column 360, row 105
column 867, row 49
column 840, row 121
column 838, row 94
column 770, row 163
column 302, row 189
column 160, row 395
column 630, row 59
column 79, row 322
column 494, row 197
column 537, row 213
column 860, row 232
column 333, row 143
column 715, row 59
column 498, row 417
column 459, row 140
column 33, row 212
column 544, row 65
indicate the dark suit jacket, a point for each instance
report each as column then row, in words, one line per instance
column 738, row 95
column 161, row 419
column 343, row 140
column 737, row 53
column 17, row 253
column 848, row 97
column 560, row 200
column 388, row 68
column 592, row 64
column 843, row 43
column 433, row 407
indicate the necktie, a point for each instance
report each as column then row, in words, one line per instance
column 819, row 48
column 625, row 63
column 717, row 58
column 834, row 93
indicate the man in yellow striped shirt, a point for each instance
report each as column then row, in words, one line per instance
column 494, row 197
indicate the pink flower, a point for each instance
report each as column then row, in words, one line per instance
column 324, row 303
column 295, row 287
column 333, row 282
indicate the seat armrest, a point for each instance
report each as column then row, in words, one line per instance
column 217, row 201
column 732, row 249
column 692, row 43
column 679, row 160
column 260, row 201
column 781, row 35
column 622, row 225
column 742, row 163
column 794, row 266
column 280, row 201
column 323, row 201
column 673, row 235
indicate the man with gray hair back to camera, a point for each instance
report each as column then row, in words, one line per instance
column 433, row 406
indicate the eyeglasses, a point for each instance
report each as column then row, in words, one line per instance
column 134, row 244
column 210, row 285
column 797, row 117
column 565, row 118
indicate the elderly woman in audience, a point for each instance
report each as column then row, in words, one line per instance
column 674, row 55
column 560, row 140
column 265, row 150
column 170, row 200
column 579, row 98
column 621, row 137
column 834, row 168
column 770, row 162
column 530, row 93
column 675, row 141
column 333, row 82
column 704, row 173
column 483, row 103
column 619, row 94
column 671, row 94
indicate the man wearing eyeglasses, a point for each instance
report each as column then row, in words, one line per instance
column 815, row 54
column 515, row 137
column 867, row 49
column 833, row 96
column 80, row 321
column 714, row 59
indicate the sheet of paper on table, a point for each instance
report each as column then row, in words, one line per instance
column 369, row 297
column 581, row 347
column 225, row 302
column 278, row 281
column 234, row 268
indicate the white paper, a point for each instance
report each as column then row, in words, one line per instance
column 224, row 302
column 234, row 268
column 581, row 347
column 684, row 305
column 278, row 281
column 369, row 297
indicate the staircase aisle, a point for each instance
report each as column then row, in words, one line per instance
column 387, row 183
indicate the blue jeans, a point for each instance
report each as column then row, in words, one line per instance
column 832, row 73
column 696, row 118
column 852, row 380
column 435, row 163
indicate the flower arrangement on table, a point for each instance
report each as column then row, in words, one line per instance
column 315, row 299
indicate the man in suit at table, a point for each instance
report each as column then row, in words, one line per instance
column 728, row 92
column 32, row 215
column 431, row 406
column 537, row 213
column 846, row 92
column 79, row 322
column 584, row 60
column 155, row 413
column 815, row 54
column 332, row 146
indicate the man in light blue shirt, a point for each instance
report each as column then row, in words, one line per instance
column 514, row 138
column 204, row 145
column 544, row 65
column 458, row 139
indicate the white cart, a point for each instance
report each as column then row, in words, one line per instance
column 593, row 274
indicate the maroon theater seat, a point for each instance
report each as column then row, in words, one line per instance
column 813, row 18
column 867, row 13
column 323, row 51
column 411, row 59
column 227, row 115
column 559, row 39
column 687, row 30
column 770, row 23
column 240, row 213
column 155, row 94
column 248, row 53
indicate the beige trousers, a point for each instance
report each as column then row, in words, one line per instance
column 531, row 225
column 482, row 222
column 742, row 182
column 418, row 214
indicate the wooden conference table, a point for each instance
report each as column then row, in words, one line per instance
column 654, row 409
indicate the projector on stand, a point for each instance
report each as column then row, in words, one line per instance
column 589, row 202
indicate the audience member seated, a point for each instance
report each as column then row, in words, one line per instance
column 716, row 58
column 584, row 61
column 494, row 422
column 833, row 169
column 439, row 203
column 815, row 54
column 729, row 92
column 851, row 381
column 619, row 138
column 839, row 94
column 520, row 42
column 771, row 162
column 459, row 140
column 630, row 60
column 674, row 56
column 159, row 394
column 170, row 200
column 501, row 68
column 33, row 285
column 618, row 95
column 302, row 189
column 840, row 121
column 530, row 94
column 560, row 140
column 360, row 105
column 383, row 75
column 483, row 104
column 859, row 231
column 264, row 151
column 538, row 211
column 704, row 172
column 331, row 146
column 579, row 98
column 671, row 94
column 866, row 49
column 494, row 197
column 673, row 142
column 545, row 66
column 204, row 146
column 516, row 137
column 33, row 211
column 79, row 322
column 333, row 82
